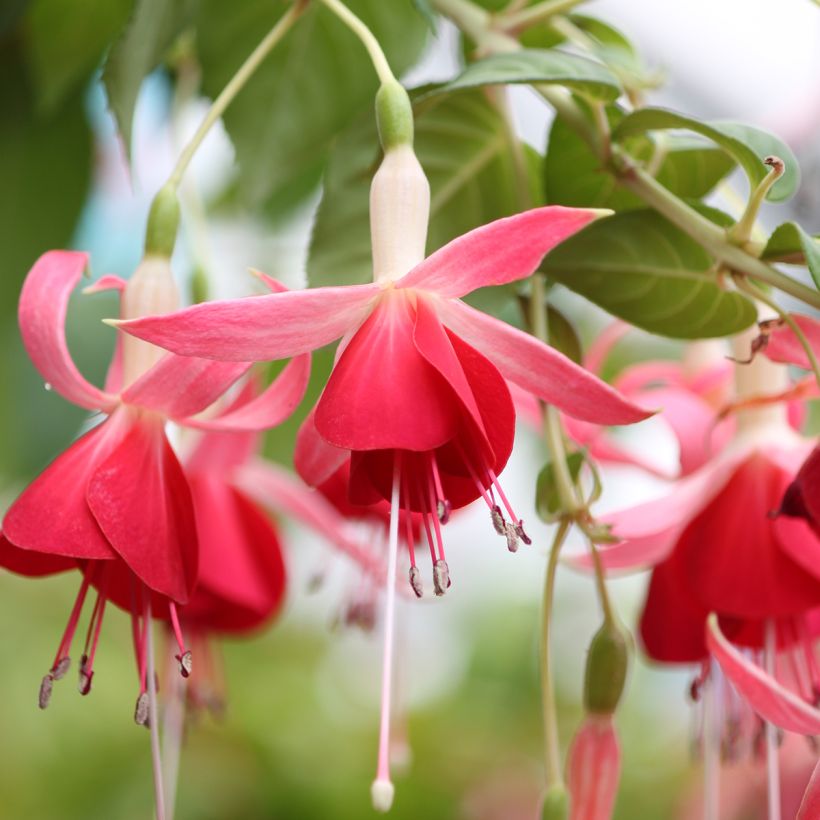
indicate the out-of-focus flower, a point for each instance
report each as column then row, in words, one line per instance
column 117, row 504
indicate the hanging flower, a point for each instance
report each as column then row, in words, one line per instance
column 117, row 503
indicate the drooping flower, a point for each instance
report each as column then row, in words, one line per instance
column 417, row 398
column 728, row 576
column 117, row 504
column 594, row 769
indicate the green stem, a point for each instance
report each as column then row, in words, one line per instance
column 552, row 745
column 741, row 233
column 235, row 85
column 367, row 38
column 600, row 584
column 477, row 24
column 535, row 14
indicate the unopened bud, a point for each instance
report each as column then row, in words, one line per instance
column 141, row 710
column 415, row 582
column 605, row 670
column 381, row 793
column 556, row 803
column 185, row 663
column 46, row 687
column 441, row 577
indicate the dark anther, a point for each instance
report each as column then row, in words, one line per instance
column 498, row 520
column 415, row 582
column 46, row 685
column 185, row 663
column 141, row 710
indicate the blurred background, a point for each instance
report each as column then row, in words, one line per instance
column 298, row 737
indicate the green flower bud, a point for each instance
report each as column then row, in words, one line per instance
column 163, row 223
column 606, row 670
column 394, row 116
column 556, row 803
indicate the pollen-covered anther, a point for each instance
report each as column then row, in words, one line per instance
column 142, row 710
column 519, row 530
column 61, row 668
column 441, row 577
column 499, row 523
column 85, row 676
column 511, row 534
column 415, row 582
column 443, row 510
column 185, row 663
column 46, row 686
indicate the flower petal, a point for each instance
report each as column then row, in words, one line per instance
column 31, row 564
column 783, row 346
column 314, row 459
column 242, row 575
column 594, row 769
column 810, row 805
column 270, row 408
column 258, row 328
column 41, row 314
column 51, row 515
column 770, row 699
column 539, row 368
column 113, row 378
column 141, row 500
column 278, row 490
column 382, row 393
column 503, row 251
column 180, row 386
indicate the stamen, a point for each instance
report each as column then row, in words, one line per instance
column 441, row 577
column 61, row 659
column 408, row 525
column 511, row 533
column 141, row 717
column 519, row 525
column 431, row 507
column 442, row 505
column 415, row 582
column 46, row 686
column 92, row 639
column 381, row 791
column 499, row 522
column 184, row 657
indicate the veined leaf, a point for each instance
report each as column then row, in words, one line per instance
column 462, row 145
column 688, row 167
column 151, row 31
column 748, row 145
column 790, row 243
column 313, row 85
column 643, row 269
column 539, row 66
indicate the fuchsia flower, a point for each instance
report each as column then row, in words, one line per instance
column 731, row 580
column 419, row 379
column 117, row 504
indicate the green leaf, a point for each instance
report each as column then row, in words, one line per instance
column 151, row 31
column 643, row 269
column 461, row 143
column 314, row 84
column 746, row 144
column 66, row 41
column 562, row 335
column 426, row 11
column 573, row 175
column 539, row 66
column 547, row 497
column 790, row 243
